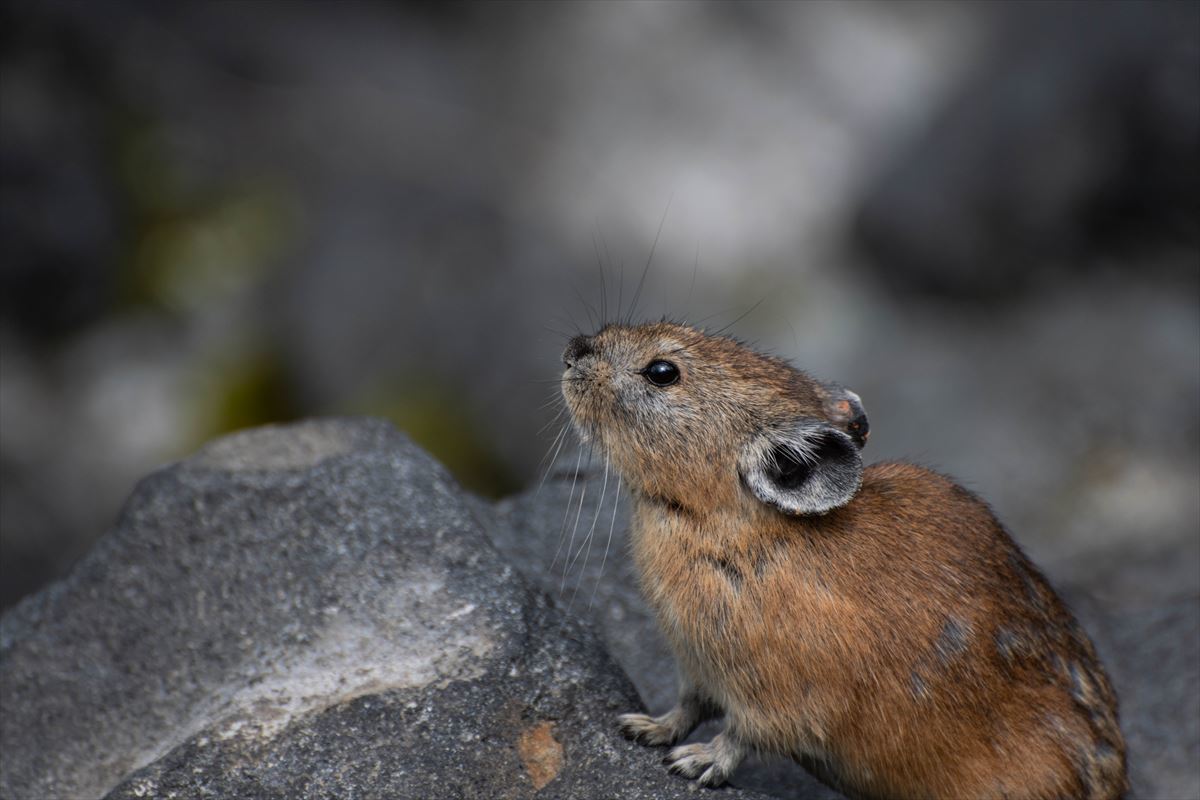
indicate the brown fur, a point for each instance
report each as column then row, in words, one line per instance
column 901, row 645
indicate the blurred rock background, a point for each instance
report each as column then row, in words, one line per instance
column 982, row 217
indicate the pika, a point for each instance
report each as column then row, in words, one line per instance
column 875, row 623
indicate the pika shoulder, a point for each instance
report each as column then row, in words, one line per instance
column 875, row 623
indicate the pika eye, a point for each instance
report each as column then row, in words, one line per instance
column 661, row 373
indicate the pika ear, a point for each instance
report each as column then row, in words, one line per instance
column 810, row 468
column 845, row 410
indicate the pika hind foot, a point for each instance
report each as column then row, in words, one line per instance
column 653, row 731
column 711, row 763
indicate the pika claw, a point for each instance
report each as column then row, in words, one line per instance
column 646, row 730
column 712, row 778
column 689, row 760
column 710, row 764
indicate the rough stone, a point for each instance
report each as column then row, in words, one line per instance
column 307, row 611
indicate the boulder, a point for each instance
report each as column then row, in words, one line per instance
column 318, row 610
column 1072, row 140
column 302, row 611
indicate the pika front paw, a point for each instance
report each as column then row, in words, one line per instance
column 710, row 764
column 648, row 730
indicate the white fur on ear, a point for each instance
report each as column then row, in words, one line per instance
column 845, row 409
column 809, row 468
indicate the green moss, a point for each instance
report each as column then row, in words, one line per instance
column 187, row 259
column 255, row 391
column 192, row 239
column 430, row 413
column 246, row 387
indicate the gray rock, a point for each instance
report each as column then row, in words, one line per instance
column 1074, row 136
column 1144, row 614
column 308, row 611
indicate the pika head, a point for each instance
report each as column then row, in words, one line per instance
column 695, row 420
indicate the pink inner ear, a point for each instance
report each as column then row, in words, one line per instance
column 843, row 407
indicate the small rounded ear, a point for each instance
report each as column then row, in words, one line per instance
column 845, row 409
column 810, row 468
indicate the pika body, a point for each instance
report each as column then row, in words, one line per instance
column 875, row 623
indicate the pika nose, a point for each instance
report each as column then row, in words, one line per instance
column 577, row 348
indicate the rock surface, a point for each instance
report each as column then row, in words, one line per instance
column 308, row 611
column 317, row 610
